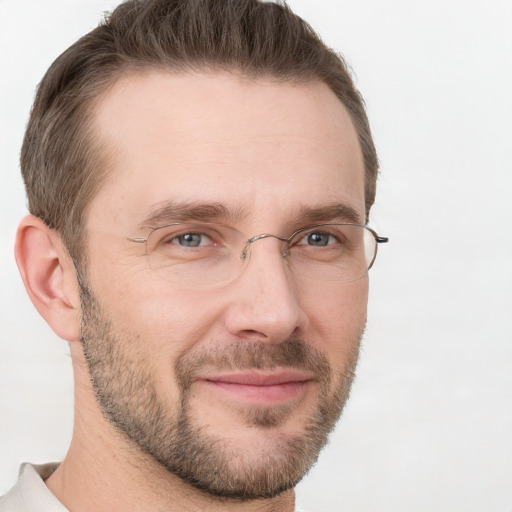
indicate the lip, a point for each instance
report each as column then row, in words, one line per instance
column 260, row 387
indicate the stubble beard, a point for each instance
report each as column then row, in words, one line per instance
column 123, row 386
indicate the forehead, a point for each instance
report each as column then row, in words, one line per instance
column 259, row 146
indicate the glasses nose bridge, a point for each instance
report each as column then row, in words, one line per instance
column 284, row 243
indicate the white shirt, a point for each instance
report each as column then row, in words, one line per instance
column 30, row 493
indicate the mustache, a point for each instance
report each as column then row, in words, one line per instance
column 253, row 355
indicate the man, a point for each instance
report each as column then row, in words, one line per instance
column 200, row 175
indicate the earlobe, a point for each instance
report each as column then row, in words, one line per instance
column 49, row 276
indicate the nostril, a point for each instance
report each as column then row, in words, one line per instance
column 251, row 334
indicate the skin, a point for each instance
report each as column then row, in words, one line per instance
column 264, row 149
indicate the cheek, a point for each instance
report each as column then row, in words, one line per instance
column 154, row 326
column 166, row 322
column 337, row 319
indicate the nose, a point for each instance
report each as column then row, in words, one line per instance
column 265, row 302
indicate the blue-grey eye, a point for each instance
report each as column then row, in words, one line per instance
column 318, row 239
column 191, row 239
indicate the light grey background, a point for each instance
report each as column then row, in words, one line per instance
column 429, row 424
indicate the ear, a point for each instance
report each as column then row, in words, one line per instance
column 49, row 276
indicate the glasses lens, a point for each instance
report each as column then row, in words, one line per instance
column 191, row 255
column 201, row 255
column 337, row 252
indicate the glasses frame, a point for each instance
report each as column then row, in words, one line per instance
column 378, row 239
column 245, row 251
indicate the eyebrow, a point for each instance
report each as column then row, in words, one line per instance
column 339, row 212
column 171, row 211
column 168, row 212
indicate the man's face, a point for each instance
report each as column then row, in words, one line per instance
column 232, row 387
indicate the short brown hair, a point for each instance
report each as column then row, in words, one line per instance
column 61, row 161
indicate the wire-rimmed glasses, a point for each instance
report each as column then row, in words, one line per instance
column 209, row 254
